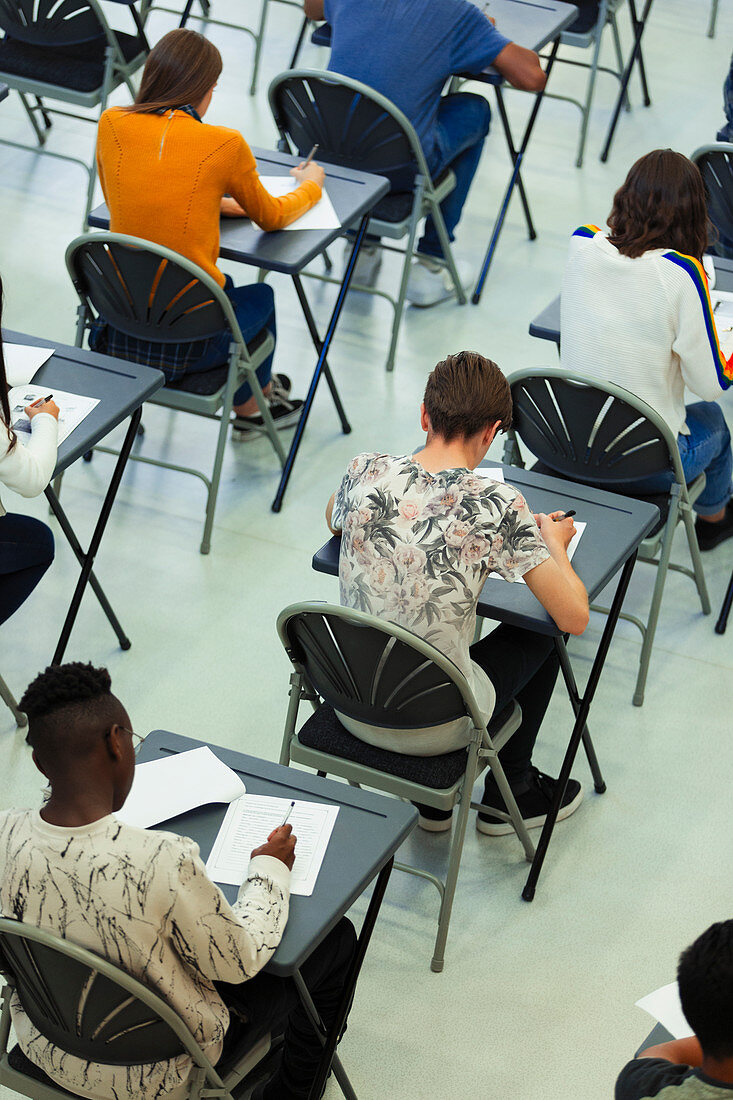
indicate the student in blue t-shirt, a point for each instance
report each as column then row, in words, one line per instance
column 407, row 50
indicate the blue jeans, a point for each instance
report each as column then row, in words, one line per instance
column 463, row 123
column 26, row 551
column 706, row 448
column 254, row 308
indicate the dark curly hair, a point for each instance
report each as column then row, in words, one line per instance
column 67, row 705
column 465, row 393
column 705, row 977
column 661, row 204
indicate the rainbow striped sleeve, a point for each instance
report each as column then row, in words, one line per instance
column 586, row 231
column 693, row 267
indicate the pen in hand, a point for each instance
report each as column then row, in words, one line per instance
column 287, row 815
column 565, row 515
column 310, row 156
column 41, row 401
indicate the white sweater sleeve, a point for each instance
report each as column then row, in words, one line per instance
column 704, row 368
column 27, row 469
column 223, row 942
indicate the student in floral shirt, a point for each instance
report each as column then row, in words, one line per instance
column 420, row 535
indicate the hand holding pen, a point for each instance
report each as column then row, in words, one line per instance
column 42, row 405
column 309, row 170
column 280, row 843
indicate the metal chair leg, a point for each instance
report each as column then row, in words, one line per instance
column 7, row 696
column 399, row 304
column 651, row 624
column 697, row 566
column 259, row 38
column 437, row 215
column 451, row 878
column 588, row 100
column 713, row 18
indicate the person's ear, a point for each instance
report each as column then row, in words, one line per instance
column 490, row 434
column 424, row 418
column 37, row 762
column 115, row 742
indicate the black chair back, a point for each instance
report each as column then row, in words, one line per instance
column 352, row 130
column 85, row 1013
column 369, row 674
column 50, row 22
column 144, row 294
column 585, row 433
column 716, row 166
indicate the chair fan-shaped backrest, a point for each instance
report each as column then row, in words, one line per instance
column 50, row 22
column 352, row 126
column 584, row 432
column 716, row 164
column 143, row 294
column 367, row 673
column 83, row 1012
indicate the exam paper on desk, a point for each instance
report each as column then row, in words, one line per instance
column 175, row 784
column 22, row 361
column 73, row 408
column 247, row 825
column 664, row 1005
column 572, row 547
column 320, row 216
column 723, row 316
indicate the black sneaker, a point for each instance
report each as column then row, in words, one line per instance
column 285, row 412
column 534, row 803
column 710, row 535
column 280, row 386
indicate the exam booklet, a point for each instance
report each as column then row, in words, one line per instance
column 73, row 408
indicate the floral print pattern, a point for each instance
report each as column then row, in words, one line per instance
column 417, row 547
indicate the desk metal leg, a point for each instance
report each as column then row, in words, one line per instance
column 725, row 609
column 580, row 724
column 299, row 43
column 318, row 345
column 321, row 365
column 513, row 154
column 87, row 560
column 638, row 25
column 331, row 1040
column 575, row 702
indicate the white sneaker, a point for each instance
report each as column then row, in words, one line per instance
column 368, row 263
column 430, row 281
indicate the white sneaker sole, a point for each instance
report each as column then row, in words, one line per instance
column 504, row 828
column 430, row 825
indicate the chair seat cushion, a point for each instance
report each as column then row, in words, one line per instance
column 395, row 207
column 79, row 68
column 211, row 381
column 661, row 500
column 21, row 1064
column 587, row 17
column 324, row 732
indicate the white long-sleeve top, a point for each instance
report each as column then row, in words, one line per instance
column 645, row 324
column 27, row 469
column 143, row 900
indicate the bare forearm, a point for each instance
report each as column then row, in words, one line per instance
column 683, row 1052
column 560, row 557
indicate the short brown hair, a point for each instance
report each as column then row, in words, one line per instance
column 179, row 71
column 661, row 204
column 464, row 394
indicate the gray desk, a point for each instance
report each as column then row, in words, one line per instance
column 657, row 1035
column 353, row 195
column 368, row 831
column 616, row 526
column 122, row 388
column 4, row 91
column 546, row 325
column 532, row 24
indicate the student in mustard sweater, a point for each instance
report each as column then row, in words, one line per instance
column 167, row 177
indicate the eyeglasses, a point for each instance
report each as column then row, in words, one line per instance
column 137, row 738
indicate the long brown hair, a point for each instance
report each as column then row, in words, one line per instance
column 4, row 402
column 661, row 204
column 180, row 70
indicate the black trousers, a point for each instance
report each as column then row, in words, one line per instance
column 521, row 665
column 269, row 1003
column 26, row 551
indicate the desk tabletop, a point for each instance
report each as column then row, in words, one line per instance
column 528, row 23
column 616, row 526
column 4, row 92
column 368, row 831
column 121, row 387
column 289, row 251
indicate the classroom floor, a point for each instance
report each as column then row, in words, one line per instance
column 536, row 1002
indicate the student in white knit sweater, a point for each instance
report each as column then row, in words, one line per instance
column 26, row 544
column 142, row 899
column 636, row 311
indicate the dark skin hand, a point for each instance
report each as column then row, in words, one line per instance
column 280, row 844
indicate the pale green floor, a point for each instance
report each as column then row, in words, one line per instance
column 536, row 1002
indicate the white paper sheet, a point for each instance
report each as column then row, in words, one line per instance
column 664, row 1005
column 250, row 820
column 489, row 473
column 165, row 788
column 22, row 361
column 73, row 408
column 573, row 546
column 320, row 216
column 723, row 316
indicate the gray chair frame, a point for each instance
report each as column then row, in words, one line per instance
column 9, row 699
column 481, row 752
column 216, row 406
column 713, row 18
column 427, row 197
column 117, row 71
column 714, row 150
column 656, row 549
column 592, row 39
column 204, row 1081
column 257, row 35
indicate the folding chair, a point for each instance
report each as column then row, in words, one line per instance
column 9, row 699
column 93, row 1010
column 66, row 50
column 356, row 127
column 377, row 672
column 596, row 433
column 149, row 293
column 716, row 165
column 713, row 18
column 258, row 35
column 587, row 33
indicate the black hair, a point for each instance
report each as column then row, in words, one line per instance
column 4, row 402
column 68, row 706
column 705, row 977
